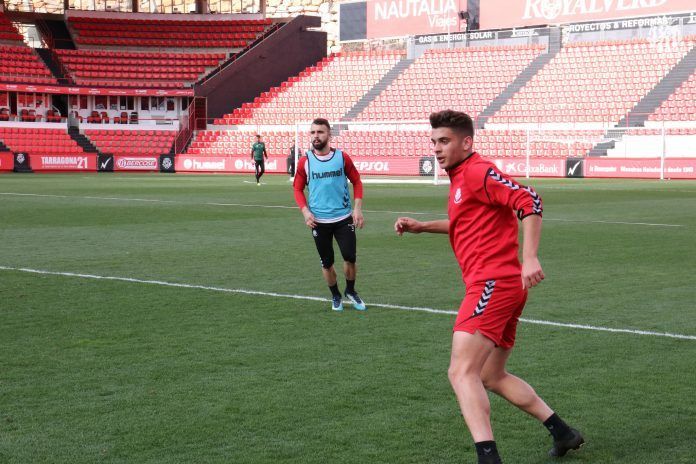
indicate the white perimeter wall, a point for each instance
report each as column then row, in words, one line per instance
column 650, row 146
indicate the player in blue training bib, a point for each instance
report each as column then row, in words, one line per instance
column 329, row 196
column 328, row 211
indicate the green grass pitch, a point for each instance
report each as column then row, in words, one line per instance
column 115, row 371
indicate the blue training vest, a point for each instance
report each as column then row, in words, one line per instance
column 329, row 197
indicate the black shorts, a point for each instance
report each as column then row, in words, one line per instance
column 344, row 231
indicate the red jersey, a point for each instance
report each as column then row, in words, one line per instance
column 483, row 223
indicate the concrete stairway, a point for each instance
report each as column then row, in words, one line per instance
column 521, row 80
column 378, row 88
column 82, row 141
column 666, row 87
column 648, row 104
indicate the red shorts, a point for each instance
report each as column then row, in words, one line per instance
column 493, row 308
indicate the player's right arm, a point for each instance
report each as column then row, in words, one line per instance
column 298, row 187
column 407, row 224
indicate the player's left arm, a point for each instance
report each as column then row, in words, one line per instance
column 500, row 189
column 532, row 273
column 354, row 178
column 265, row 153
column 358, row 218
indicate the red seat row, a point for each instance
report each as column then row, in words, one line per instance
column 7, row 29
column 175, row 22
column 21, row 65
column 163, row 43
column 39, row 140
column 132, row 141
column 681, row 105
column 498, row 143
column 141, row 69
column 110, row 54
column 166, row 33
column 135, row 83
column 331, row 87
column 592, row 82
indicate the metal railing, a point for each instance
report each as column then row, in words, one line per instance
column 189, row 123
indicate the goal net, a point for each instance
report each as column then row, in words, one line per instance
column 401, row 151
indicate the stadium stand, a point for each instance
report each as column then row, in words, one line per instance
column 19, row 64
column 654, row 131
column 7, row 30
column 585, row 82
column 465, row 79
column 498, row 143
column 330, row 88
column 549, row 144
column 130, row 142
column 223, row 142
column 137, row 69
column 681, row 105
column 133, row 52
column 39, row 140
column 165, row 33
column 592, row 82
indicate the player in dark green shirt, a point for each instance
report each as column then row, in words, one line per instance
column 258, row 152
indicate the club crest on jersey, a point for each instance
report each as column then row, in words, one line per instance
column 458, row 196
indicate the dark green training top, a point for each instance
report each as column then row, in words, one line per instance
column 257, row 149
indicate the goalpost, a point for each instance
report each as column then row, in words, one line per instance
column 560, row 143
column 400, row 152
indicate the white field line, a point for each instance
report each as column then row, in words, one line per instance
column 243, row 205
column 314, row 298
column 616, row 222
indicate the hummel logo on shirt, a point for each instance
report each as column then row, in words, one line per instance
column 325, row 174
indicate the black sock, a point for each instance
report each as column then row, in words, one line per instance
column 555, row 425
column 334, row 290
column 350, row 286
column 486, row 449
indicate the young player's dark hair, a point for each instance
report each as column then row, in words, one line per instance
column 455, row 120
column 322, row 122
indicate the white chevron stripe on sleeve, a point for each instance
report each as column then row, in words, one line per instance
column 485, row 298
column 513, row 186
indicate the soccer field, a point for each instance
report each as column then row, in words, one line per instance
column 183, row 319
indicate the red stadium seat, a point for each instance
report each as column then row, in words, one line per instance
column 597, row 82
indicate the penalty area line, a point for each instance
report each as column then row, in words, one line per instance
column 241, row 291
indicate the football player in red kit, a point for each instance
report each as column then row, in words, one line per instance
column 483, row 210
